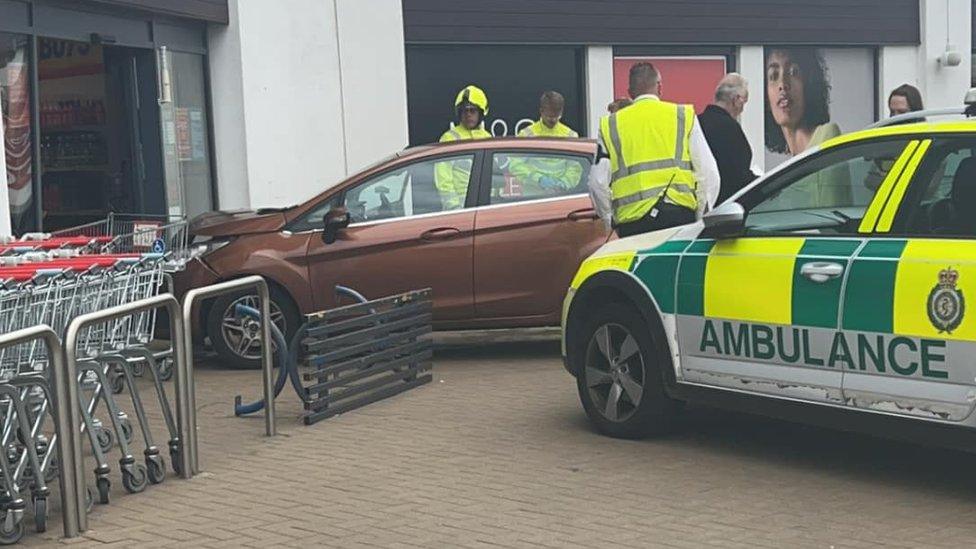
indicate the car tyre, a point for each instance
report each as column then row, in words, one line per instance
column 225, row 339
column 619, row 374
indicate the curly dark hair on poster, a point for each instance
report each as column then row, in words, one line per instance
column 816, row 92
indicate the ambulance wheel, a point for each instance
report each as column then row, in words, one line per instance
column 620, row 379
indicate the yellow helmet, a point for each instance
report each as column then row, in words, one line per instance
column 474, row 96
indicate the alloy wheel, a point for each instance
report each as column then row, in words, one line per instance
column 614, row 372
column 242, row 333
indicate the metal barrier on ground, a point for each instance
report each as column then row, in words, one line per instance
column 354, row 355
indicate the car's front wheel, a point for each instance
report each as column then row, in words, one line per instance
column 619, row 374
column 237, row 338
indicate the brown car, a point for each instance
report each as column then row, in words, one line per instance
column 498, row 247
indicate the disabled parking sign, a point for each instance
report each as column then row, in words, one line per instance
column 159, row 246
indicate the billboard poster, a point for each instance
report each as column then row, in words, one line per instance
column 813, row 94
column 689, row 80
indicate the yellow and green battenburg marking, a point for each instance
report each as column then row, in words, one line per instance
column 888, row 281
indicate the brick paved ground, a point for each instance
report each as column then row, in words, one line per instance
column 496, row 452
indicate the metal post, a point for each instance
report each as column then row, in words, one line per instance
column 185, row 421
column 192, row 297
column 65, row 409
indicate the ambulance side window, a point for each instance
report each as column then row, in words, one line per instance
column 942, row 201
column 827, row 194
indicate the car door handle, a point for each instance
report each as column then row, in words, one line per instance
column 440, row 233
column 585, row 214
column 821, row 271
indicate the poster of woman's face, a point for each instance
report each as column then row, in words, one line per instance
column 812, row 94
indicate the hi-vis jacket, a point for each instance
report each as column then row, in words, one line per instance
column 649, row 149
column 451, row 176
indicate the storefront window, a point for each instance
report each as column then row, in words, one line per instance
column 185, row 143
column 17, row 141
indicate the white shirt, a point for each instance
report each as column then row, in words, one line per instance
column 599, row 185
column 703, row 165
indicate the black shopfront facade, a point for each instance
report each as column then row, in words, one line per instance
column 105, row 108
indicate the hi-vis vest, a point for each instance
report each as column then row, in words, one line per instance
column 451, row 176
column 648, row 143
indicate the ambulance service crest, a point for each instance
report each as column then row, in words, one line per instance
column 946, row 305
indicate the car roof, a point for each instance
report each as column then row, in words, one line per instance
column 918, row 128
column 562, row 144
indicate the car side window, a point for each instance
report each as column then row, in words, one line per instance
column 943, row 197
column 516, row 177
column 828, row 194
column 429, row 186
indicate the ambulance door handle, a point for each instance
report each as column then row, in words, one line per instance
column 821, row 271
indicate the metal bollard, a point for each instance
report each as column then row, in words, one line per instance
column 192, row 297
column 65, row 411
column 185, row 422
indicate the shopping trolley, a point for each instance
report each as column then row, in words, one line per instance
column 44, row 288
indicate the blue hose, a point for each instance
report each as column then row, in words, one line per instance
column 281, row 361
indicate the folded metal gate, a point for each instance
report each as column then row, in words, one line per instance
column 362, row 353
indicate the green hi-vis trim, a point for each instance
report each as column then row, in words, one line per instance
column 870, row 292
column 830, row 247
column 657, row 273
column 669, row 247
column 816, row 303
column 691, row 278
column 701, row 247
column 887, row 249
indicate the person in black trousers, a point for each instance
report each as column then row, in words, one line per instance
column 725, row 137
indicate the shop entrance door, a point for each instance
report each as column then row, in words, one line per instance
column 100, row 141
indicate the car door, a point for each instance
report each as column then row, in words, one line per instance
column 402, row 236
column 759, row 311
column 905, row 308
column 534, row 226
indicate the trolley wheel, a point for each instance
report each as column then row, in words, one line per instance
column 139, row 369
column 126, row 429
column 105, row 439
column 156, row 468
column 166, row 369
column 40, row 515
column 116, row 380
column 11, row 529
column 104, row 486
column 135, row 478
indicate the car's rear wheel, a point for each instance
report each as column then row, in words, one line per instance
column 237, row 338
column 619, row 378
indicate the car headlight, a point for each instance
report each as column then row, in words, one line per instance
column 201, row 249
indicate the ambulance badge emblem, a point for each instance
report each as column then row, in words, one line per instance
column 946, row 305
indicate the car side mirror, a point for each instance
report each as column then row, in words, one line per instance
column 334, row 221
column 726, row 220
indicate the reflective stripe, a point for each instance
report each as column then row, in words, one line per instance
column 679, row 148
column 457, row 136
column 649, row 194
column 884, row 190
column 615, row 143
column 527, row 132
column 894, row 199
column 651, row 166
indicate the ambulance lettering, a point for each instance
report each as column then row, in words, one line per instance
column 814, row 347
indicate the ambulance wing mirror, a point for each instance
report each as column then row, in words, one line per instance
column 725, row 220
